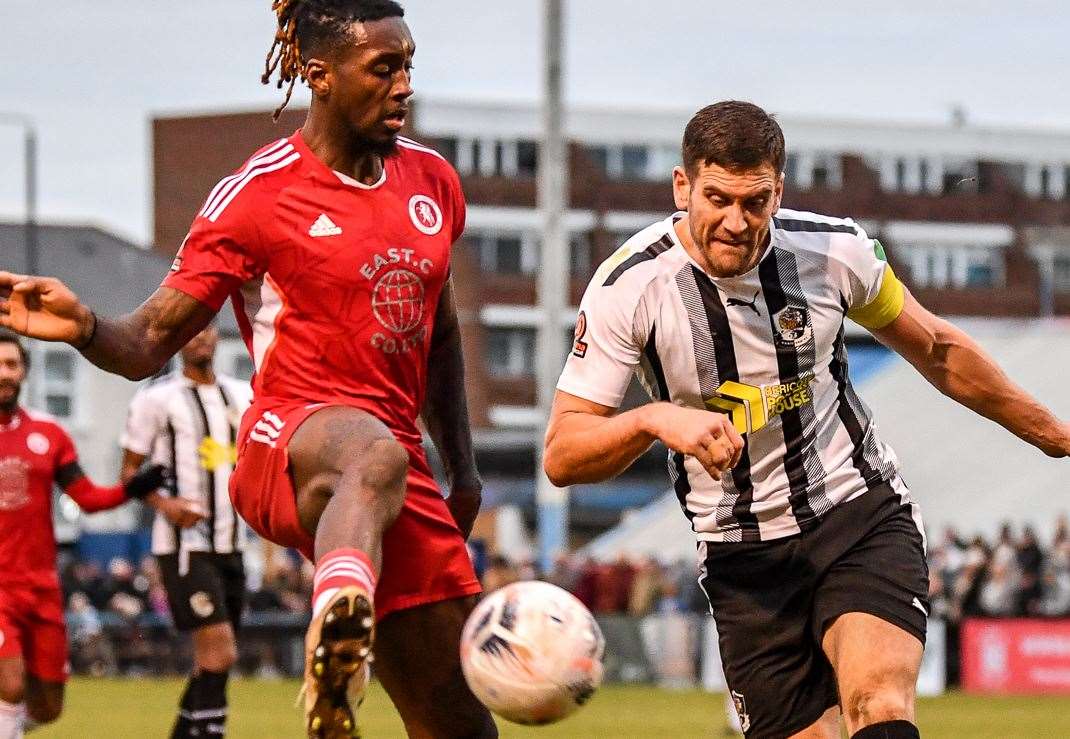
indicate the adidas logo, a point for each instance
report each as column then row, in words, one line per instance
column 324, row 226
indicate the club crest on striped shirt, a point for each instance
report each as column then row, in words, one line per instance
column 791, row 326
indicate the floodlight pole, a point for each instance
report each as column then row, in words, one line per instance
column 30, row 154
column 553, row 280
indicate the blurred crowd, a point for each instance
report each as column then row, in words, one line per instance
column 1014, row 575
column 625, row 586
column 119, row 622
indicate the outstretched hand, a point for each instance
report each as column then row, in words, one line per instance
column 43, row 308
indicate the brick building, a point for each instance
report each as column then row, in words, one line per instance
column 975, row 220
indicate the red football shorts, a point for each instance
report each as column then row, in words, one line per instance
column 425, row 559
column 31, row 627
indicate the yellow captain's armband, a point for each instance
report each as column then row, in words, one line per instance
column 884, row 308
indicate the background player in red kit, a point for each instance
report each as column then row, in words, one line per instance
column 334, row 246
column 35, row 454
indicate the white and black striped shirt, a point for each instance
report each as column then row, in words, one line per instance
column 767, row 345
column 192, row 428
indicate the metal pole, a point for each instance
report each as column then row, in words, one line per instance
column 553, row 281
column 30, row 154
column 32, row 258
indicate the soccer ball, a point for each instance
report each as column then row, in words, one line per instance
column 532, row 653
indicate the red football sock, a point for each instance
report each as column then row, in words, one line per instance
column 337, row 569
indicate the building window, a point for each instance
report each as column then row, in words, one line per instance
column 527, row 157
column 980, row 274
column 510, row 351
column 447, row 147
column 599, row 156
column 791, row 170
column 501, row 252
column 1061, row 273
column 957, row 267
column 820, row 179
column 477, row 156
column 60, row 382
column 634, row 161
column 1045, row 182
column 580, row 251
column 900, row 175
column 499, row 158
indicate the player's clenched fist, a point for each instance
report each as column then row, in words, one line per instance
column 707, row 436
column 42, row 308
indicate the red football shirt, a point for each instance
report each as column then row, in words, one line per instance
column 32, row 448
column 334, row 283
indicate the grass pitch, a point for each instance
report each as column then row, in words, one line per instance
column 265, row 710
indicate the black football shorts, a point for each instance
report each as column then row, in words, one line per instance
column 212, row 591
column 773, row 600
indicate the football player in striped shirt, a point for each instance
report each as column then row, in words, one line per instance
column 333, row 245
column 812, row 547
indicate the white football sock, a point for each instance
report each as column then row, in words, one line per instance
column 12, row 716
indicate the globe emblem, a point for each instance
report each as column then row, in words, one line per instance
column 398, row 301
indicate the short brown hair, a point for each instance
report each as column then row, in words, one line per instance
column 6, row 337
column 735, row 135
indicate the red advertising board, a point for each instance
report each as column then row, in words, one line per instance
column 1016, row 656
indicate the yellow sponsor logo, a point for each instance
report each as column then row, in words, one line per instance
column 214, row 455
column 751, row 406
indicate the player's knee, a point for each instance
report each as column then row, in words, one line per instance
column 382, row 468
column 219, row 659
column 881, row 698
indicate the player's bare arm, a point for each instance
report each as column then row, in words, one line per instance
column 586, row 442
column 959, row 368
column 181, row 512
column 445, row 413
column 135, row 346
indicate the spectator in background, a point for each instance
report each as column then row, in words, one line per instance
column 999, row 593
column 646, row 588
column 91, row 651
column 126, row 595
column 1030, row 560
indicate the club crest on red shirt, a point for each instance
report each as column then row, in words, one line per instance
column 425, row 214
column 14, row 483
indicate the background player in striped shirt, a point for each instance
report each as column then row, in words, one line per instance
column 812, row 548
column 189, row 421
column 334, row 246
column 35, row 455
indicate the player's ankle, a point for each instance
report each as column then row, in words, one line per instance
column 340, row 568
column 888, row 730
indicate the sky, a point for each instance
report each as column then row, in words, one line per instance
column 91, row 74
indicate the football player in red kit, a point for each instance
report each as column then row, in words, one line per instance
column 35, row 454
column 334, row 246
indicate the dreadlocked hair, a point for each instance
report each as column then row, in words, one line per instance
column 309, row 25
